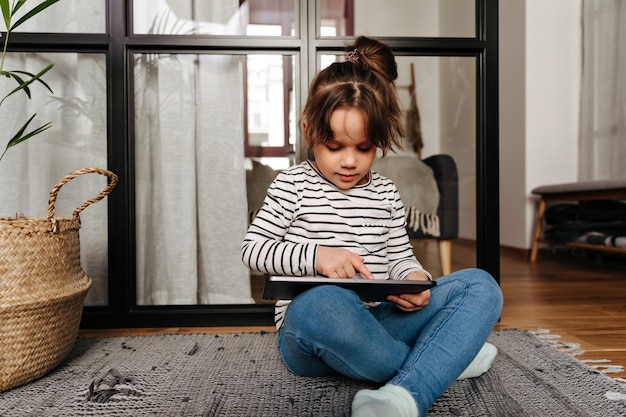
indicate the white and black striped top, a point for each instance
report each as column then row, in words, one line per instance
column 303, row 210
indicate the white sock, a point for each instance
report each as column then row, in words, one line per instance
column 388, row 400
column 481, row 363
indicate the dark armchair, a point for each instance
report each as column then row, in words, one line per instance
column 446, row 175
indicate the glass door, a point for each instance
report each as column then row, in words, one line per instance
column 212, row 95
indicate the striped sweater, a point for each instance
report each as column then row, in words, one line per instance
column 303, row 210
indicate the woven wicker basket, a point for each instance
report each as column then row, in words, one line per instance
column 42, row 288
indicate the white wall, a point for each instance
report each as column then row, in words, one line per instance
column 540, row 60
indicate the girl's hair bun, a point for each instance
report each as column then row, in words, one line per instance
column 375, row 55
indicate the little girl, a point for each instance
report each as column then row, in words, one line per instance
column 333, row 216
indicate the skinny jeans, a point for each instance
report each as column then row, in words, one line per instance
column 329, row 330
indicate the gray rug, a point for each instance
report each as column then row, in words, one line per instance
column 242, row 375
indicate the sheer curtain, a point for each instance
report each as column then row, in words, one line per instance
column 603, row 96
column 190, row 178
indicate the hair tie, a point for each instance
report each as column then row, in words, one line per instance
column 353, row 56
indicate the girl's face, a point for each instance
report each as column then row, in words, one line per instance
column 347, row 158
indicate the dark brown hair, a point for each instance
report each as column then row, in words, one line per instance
column 365, row 82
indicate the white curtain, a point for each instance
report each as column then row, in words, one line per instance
column 190, row 179
column 603, row 97
column 67, row 16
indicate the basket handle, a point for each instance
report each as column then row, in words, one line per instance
column 55, row 190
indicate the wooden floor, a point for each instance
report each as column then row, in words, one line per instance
column 580, row 299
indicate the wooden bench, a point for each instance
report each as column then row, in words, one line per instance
column 576, row 191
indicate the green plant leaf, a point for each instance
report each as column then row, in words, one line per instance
column 20, row 137
column 17, row 6
column 20, row 76
column 38, row 76
column 19, row 81
column 23, row 85
column 32, row 12
column 6, row 13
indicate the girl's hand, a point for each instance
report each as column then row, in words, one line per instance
column 340, row 263
column 412, row 302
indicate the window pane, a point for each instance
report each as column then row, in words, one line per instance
column 445, row 91
column 271, row 126
column 409, row 18
column 77, row 139
column 77, row 16
column 225, row 17
column 195, row 188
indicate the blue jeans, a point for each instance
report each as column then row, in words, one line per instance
column 328, row 329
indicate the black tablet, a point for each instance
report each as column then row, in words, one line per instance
column 287, row 287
